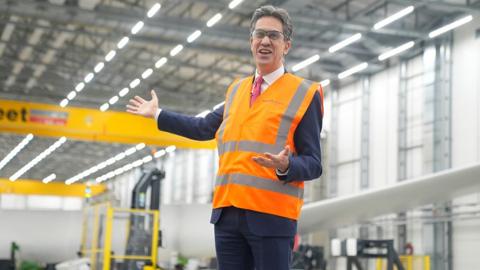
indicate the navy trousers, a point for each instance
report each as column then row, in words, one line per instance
column 238, row 248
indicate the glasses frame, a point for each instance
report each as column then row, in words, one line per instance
column 267, row 33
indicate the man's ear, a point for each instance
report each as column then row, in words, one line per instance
column 288, row 45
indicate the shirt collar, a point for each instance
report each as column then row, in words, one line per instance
column 273, row 76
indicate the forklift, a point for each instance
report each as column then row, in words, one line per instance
column 139, row 238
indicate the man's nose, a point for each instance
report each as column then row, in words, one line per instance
column 265, row 40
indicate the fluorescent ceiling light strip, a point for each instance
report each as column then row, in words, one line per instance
column 113, row 100
column 123, row 42
column 325, row 83
column 147, row 73
column 140, row 146
column 153, row 10
column 110, row 55
column 402, row 13
column 104, row 164
column 64, row 103
column 38, row 158
column 170, row 149
column 234, row 4
column 147, row 159
column 80, row 87
column 176, row 50
column 49, row 178
column 193, row 36
column 345, row 43
column 99, row 67
column 212, row 21
column 306, row 62
column 396, row 51
column 134, row 83
column 450, row 26
column 104, row 107
column 16, row 150
column 137, row 27
column 353, row 70
column 162, row 61
column 89, row 77
column 72, row 95
column 160, row 153
column 123, row 92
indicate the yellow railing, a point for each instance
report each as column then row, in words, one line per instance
column 98, row 231
column 409, row 262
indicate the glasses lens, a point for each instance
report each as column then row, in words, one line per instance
column 260, row 34
column 274, row 35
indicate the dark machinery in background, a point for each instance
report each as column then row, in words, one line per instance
column 139, row 237
column 309, row 258
column 9, row 264
column 354, row 249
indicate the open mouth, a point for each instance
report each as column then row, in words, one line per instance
column 264, row 52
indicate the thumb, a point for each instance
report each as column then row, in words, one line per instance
column 154, row 96
column 286, row 151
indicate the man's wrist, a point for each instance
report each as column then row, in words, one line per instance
column 157, row 114
column 284, row 170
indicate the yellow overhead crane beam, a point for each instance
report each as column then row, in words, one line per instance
column 87, row 124
column 35, row 187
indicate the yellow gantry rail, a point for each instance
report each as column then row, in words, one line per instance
column 35, row 187
column 409, row 262
column 87, row 124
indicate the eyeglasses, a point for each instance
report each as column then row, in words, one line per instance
column 273, row 34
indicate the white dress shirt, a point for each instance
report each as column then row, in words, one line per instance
column 270, row 78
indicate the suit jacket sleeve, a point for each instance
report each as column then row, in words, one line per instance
column 195, row 128
column 306, row 164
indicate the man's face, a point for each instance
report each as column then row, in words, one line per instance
column 268, row 52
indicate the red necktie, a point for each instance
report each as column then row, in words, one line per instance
column 256, row 89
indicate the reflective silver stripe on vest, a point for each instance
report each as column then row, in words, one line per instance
column 225, row 116
column 282, row 133
column 260, row 183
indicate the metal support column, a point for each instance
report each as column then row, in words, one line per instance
column 365, row 151
column 365, row 140
column 441, row 148
column 402, row 149
column 333, row 143
column 437, row 141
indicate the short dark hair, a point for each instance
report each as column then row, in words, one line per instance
column 276, row 12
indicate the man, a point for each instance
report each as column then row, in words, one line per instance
column 268, row 138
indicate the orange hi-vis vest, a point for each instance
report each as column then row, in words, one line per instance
column 267, row 126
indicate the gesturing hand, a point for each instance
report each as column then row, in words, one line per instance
column 279, row 161
column 140, row 106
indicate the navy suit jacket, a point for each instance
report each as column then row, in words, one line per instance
column 304, row 165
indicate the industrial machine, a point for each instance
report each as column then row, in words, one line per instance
column 120, row 239
column 139, row 239
column 308, row 257
column 354, row 249
column 10, row 263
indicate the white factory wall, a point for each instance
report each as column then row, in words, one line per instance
column 43, row 235
column 466, row 138
column 384, row 89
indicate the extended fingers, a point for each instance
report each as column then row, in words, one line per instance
column 264, row 162
column 134, row 102
column 131, row 108
column 272, row 157
column 140, row 100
